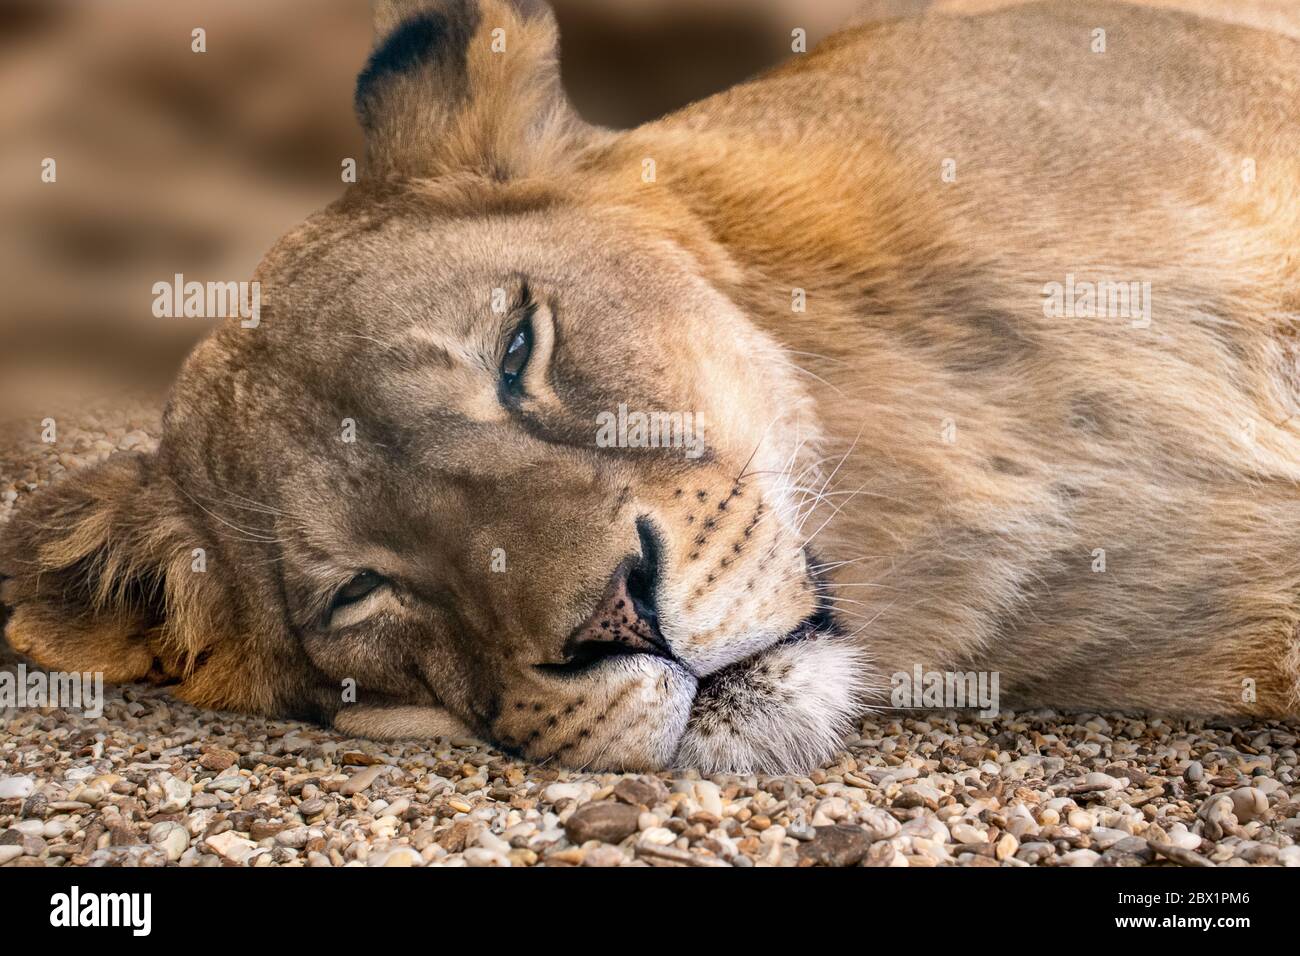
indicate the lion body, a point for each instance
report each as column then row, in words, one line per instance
column 1103, row 512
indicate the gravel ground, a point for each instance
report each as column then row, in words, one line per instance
column 156, row 782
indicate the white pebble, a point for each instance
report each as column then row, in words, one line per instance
column 478, row 856
column 16, row 788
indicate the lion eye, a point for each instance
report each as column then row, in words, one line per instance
column 364, row 584
column 358, row 600
column 516, row 358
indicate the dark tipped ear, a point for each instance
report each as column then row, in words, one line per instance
column 465, row 86
column 98, row 573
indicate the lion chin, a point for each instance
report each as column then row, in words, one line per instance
column 785, row 710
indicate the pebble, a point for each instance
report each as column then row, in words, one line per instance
column 362, row 780
column 230, row 847
column 565, row 791
column 1248, row 803
column 1081, row 820
column 604, row 856
column 295, row 837
column 965, row 833
column 640, row 791
column 1098, row 779
column 478, row 856
column 176, row 795
column 1178, row 835
column 172, row 838
column 1104, row 838
column 709, row 796
column 658, row 836
column 606, row 821
column 400, row 856
column 16, row 788
column 836, row 846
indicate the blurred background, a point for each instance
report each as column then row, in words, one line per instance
column 171, row 161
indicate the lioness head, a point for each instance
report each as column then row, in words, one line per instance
column 423, row 494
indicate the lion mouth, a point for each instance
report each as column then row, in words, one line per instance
column 821, row 623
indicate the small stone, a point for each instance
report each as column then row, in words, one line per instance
column 362, row 780
column 295, row 837
column 1079, row 858
column 1103, row 838
column 837, row 845
column 709, row 796
column 605, row 821
column 227, row 781
column 230, row 847
column 604, row 855
column 1249, row 803
column 565, row 791
column 1179, row 855
column 881, row 854
column 172, row 838
column 176, row 795
column 32, row 845
column 830, row 811
column 478, row 856
column 915, row 796
column 641, row 791
column 1258, row 853
column 490, row 841
column 658, row 836
column 218, row 759
column 16, row 788
column 354, row 758
column 1034, row 853
column 1102, row 780
column 402, row 856
column 1180, row 836
column 1081, row 820
column 261, row 830
column 122, row 836
column 311, row 808
column 1219, row 819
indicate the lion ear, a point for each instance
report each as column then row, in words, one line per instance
column 92, row 569
column 465, row 86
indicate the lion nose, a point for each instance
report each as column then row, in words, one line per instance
column 626, row 621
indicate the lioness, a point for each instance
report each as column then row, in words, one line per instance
column 987, row 325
